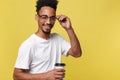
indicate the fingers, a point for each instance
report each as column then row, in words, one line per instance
column 60, row 73
column 64, row 21
column 60, row 70
column 55, row 74
column 61, row 18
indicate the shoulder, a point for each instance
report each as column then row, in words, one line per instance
column 56, row 35
column 29, row 42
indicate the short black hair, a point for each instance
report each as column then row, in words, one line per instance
column 42, row 3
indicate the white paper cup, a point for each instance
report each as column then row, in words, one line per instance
column 60, row 66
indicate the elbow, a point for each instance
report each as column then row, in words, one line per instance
column 14, row 76
column 77, row 54
column 80, row 53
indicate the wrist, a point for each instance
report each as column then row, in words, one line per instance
column 43, row 76
column 69, row 29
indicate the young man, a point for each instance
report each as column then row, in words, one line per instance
column 39, row 53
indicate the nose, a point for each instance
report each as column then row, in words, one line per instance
column 48, row 21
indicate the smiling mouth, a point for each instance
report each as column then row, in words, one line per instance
column 49, row 26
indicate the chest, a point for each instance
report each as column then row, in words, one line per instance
column 46, row 52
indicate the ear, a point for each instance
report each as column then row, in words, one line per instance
column 36, row 17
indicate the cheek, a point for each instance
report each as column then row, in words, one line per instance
column 40, row 23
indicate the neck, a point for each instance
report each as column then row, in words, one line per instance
column 43, row 35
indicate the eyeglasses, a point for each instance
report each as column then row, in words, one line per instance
column 45, row 17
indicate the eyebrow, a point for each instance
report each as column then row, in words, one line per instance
column 46, row 15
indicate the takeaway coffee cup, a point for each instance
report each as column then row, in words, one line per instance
column 60, row 66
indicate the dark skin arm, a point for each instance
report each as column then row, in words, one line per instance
column 21, row 74
column 75, row 49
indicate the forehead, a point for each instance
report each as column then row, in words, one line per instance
column 47, row 11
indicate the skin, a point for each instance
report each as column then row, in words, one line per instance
column 44, row 29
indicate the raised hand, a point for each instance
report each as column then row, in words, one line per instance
column 64, row 21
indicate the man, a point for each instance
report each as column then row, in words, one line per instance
column 39, row 53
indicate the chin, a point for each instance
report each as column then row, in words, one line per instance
column 47, row 32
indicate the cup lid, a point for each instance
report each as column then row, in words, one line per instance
column 59, row 64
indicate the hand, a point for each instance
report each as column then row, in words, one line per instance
column 64, row 21
column 56, row 74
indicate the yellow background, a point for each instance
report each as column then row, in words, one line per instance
column 96, row 23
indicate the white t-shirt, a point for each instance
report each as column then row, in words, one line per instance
column 38, row 55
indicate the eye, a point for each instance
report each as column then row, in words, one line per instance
column 44, row 17
column 53, row 18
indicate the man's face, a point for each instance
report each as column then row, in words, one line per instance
column 46, row 19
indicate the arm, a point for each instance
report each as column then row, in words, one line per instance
column 21, row 74
column 75, row 49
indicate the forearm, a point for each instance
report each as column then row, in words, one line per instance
column 75, row 49
column 22, row 75
column 75, row 44
column 26, row 76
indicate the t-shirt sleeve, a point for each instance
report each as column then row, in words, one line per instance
column 24, row 57
column 65, row 45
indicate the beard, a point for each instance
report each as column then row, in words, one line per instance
column 49, row 31
column 45, row 32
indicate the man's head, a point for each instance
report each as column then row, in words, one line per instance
column 46, row 14
column 49, row 3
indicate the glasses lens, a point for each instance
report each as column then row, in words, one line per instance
column 45, row 17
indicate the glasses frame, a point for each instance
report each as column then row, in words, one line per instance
column 45, row 17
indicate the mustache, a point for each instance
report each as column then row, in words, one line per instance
column 49, row 25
